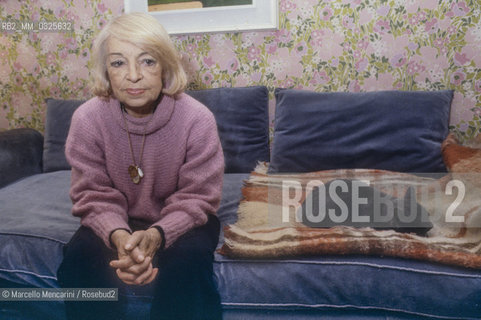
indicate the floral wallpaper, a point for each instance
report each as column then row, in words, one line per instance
column 322, row 45
column 40, row 65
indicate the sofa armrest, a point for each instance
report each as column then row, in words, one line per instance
column 20, row 154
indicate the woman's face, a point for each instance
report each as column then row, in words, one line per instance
column 135, row 76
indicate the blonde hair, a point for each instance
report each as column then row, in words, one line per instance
column 144, row 31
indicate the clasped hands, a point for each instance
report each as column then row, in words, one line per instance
column 135, row 254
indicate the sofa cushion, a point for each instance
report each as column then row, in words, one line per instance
column 241, row 115
column 57, row 124
column 408, row 288
column 243, row 123
column 390, row 130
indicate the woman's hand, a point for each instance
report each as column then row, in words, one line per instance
column 136, row 252
column 144, row 243
column 137, row 274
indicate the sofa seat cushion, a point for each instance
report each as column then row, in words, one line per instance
column 36, row 223
column 335, row 283
column 390, row 130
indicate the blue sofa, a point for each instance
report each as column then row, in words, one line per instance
column 399, row 131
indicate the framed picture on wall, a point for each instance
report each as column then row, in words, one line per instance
column 186, row 16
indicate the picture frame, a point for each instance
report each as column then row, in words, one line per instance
column 260, row 15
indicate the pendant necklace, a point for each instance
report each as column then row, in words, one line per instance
column 135, row 172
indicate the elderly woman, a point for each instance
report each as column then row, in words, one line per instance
column 147, row 168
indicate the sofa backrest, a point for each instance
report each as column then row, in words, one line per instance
column 390, row 130
column 20, row 154
column 241, row 115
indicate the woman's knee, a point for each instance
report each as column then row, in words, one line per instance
column 85, row 242
column 194, row 247
column 85, row 256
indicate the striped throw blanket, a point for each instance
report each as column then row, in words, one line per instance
column 269, row 224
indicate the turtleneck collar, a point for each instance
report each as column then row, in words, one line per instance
column 154, row 121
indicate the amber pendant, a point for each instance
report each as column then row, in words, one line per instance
column 135, row 174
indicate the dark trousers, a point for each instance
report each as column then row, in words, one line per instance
column 184, row 287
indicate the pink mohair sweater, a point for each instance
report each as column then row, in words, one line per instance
column 183, row 167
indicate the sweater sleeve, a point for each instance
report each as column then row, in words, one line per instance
column 100, row 206
column 200, row 182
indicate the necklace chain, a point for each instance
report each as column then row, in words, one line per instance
column 135, row 172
